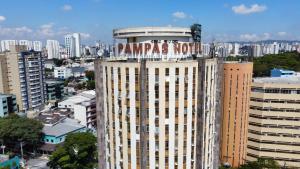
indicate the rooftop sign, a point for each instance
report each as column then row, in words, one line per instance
column 158, row 50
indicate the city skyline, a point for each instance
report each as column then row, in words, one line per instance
column 241, row 20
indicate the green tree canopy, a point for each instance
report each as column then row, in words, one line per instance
column 263, row 65
column 78, row 152
column 90, row 75
column 14, row 129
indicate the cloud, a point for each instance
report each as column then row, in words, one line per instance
column 255, row 37
column 85, row 35
column 67, row 8
column 281, row 33
column 244, row 10
column 179, row 15
column 2, row 18
column 46, row 30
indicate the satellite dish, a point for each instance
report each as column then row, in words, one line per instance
column 100, row 52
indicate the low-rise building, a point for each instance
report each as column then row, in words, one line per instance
column 85, row 112
column 282, row 73
column 79, row 98
column 56, row 133
column 62, row 72
column 274, row 120
column 8, row 104
column 55, row 90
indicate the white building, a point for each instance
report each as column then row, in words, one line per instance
column 85, row 112
column 77, row 99
column 73, row 45
column 77, row 44
column 26, row 43
column 6, row 43
column 37, row 46
column 62, row 72
column 53, row 49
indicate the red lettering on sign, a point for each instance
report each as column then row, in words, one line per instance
column 165, row 49
column 120, row 48
column 185, row 48
column 127, row 49
column 147, row 48
column 191, row 47
column 155, row 49
column 137, row 49
column 177, row 48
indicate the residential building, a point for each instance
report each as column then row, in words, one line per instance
column 77, row 45
column 27, row 43
column 8, row 104
column 78, row 71
column 62, row 72
column 37, row 46
column 274, row 120
column 11, row 163
column 85, row 112
column 55, row 90
column 73, row 45
column 53, row 49
column 22, row 74
column 5, row 44
column 157, row 106
column 237, row 78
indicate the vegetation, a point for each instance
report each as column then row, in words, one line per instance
column 90, row 75
column 263, row 65
column 261, row 163
column 288, row 60
column 78, row 152
column 15, row 129
column 58, row 62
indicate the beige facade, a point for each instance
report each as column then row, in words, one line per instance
column 171, row 108
column 10, row 73
column 274, row 120
column 22, row 74
column 236, row 96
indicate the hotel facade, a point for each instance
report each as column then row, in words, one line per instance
column 157, row 106
column 274, row 120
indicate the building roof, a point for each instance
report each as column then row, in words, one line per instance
column 152, row 31
column 78, row 69
column 81, row 97
column 2, row 95
column 62, row 128
column 283, row 70
column 51, row 117
column 278, row 80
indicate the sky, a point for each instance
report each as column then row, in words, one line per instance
column 221, row 20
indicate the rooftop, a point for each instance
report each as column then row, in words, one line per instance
column 151, row 31
column 62, row 128
column 279, row 80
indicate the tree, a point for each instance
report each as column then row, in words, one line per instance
column 78, row 152
column 14, row 129
column 90, row 85
column 90, row 75
column 260, row 163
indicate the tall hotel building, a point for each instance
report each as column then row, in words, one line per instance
column 22, row 74
column 274, row 122
column 158, row 101
column 236, row 96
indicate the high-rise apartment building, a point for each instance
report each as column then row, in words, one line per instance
column 37, row 46
column 157, row 101
column 237, row 78
column 274, row 120
column 22, row 74
column 8, row 104
column 5, row 44
column 27, row 43
column 77, row 44
column 73, row 45
column 53, row 49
